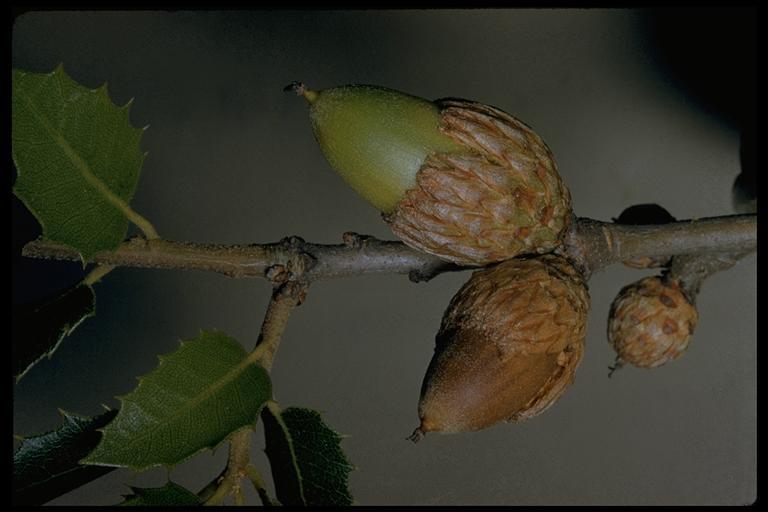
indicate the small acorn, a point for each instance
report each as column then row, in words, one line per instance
column 651, row 322
column 458, row 179
column 508, row 346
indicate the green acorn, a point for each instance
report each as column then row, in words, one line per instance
column 458, row 179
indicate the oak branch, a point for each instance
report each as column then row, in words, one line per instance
column 591, row 244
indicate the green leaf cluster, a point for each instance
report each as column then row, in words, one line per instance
column 78, row 161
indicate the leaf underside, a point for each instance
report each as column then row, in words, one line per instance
column 171, row 494
column 194, row 399
column 308, row 464
column 47, row 465
column 39, row 328
column 72, row 148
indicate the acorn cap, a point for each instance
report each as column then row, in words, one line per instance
column 503, row 199
column 508, row 347
column 651, row 322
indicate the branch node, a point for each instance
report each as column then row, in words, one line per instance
column 138, row 242
column 277, row 274
column 355, row 240
column 308, row 261
column 292, row 242
column 296, row 290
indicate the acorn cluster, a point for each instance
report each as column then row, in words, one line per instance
column 473, row 185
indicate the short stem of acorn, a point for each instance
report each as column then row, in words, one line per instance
column 692, row 270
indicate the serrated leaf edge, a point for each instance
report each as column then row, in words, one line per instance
column 64, row 333
column 140, row 491
column 78, row 162
column 244, row 363
column 320, row 413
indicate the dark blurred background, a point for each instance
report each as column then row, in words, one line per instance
column 638, row 106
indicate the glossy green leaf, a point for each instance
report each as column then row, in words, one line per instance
column 308, row 464
column 194, row 399
column 39, row 327
column 171, row 494
column 47, row 465
column 78, row 159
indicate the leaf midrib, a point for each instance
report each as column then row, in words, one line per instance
column 187, row 406
column 77, row 161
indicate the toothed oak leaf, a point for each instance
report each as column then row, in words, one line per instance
column 198, row 395
column 78, row 159
column 308, row 464
column 46, row 466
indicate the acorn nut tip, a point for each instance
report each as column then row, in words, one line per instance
column 301, row 90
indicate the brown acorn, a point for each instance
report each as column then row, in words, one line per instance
column 455, row 178
column 508, row 346
column 651, row 322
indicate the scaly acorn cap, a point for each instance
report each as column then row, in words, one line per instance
column 458, row 179
column 508, row 346
column 651, row 322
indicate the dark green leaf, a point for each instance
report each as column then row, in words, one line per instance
column 170, row 494
column 39, row 328
column 46, row 466
column 308, row 464
column 282, row 457
column 78, row 159
column 194, row 399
